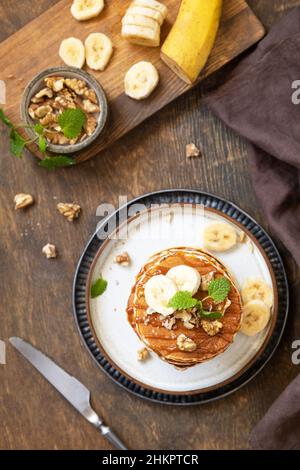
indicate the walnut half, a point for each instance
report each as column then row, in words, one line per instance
column 212, row 328
column 123, row 259
column 22, row 200
column 143, row 354
column 186, row 344
column 49, row 251
column 70, row 211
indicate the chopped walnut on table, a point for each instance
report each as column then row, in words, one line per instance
column 212, row 328
column 23, row 200
column 70, row 211
column 143, row 354
column 186, row 344
column 49, row 251
column 123, row 259
column 192, row 151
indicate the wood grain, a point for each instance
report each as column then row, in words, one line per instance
column 29, row 51
column 36, row 293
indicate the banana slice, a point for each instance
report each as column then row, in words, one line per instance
column 257, row 289
column 140, row 80
column 141, row 35
column 219, row 236
column 72, row 52
column 158, row 292
column 256, row 316
column 147, row 12
column 98, row 51
column 139, row 20
column 185, row 277
column 83, row 10
column 153, row 5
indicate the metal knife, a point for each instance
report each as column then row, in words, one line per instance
column 70, row 388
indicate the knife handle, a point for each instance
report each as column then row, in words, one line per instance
column 111, row 437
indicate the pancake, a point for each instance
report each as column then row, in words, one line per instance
column 151, row 328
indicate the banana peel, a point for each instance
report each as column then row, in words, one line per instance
column 191, row 39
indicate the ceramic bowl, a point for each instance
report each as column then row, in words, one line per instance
column 37, row 83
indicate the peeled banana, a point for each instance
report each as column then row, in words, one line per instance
column 257, row 289
column 142, row 21
column 140, row 80
column 219, row 236
column 98, row 51
column 192, row 37
column 72, row 52
column 256, row 316
column 83, row 10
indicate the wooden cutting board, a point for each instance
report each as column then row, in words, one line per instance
column 35, row 47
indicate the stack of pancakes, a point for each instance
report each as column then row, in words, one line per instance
column 163, row 341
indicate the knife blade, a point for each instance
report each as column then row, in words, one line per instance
column 67, row 385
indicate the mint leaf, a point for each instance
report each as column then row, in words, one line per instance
column 182, row 300
column 39, row 129
column 42, row 144
column 5, row 119
column 71, row 122
column 210, row 315
column 98, row 287
column 219, row 288
column 58, row 161
column 17, row 143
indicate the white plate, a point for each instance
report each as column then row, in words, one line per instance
column 148, row 233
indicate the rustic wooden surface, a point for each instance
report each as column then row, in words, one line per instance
column 36, row 293
column 23, row 55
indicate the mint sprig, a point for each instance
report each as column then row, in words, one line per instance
column 98, row 287
column 218, row 289
column 71, row 122
column 183, row 300
column 58, row 161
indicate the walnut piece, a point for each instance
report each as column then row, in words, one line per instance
column 123, row 259
column 169, row 323
column 191, row 151
column 22, row 200
column 89, row 94
column 55, row 83
column 143, row 354
column 56, row 138
column 186, row 344
column 49, row 251
column 70, row 211
column 90, row 107
column 206, row 279
column 90, row 125
column 42, row 111
column 79, row 86
column 45, row 92
column 212, row 328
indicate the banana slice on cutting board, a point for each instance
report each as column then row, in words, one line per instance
column 83, row 10
column 140, row 80
column 256, row 316
column 98, row 51
column 139, row 20
column 147, row 12
column 153, row 5
column 185, row 277
column 257, row 289
column 219, row 236
column 72, row 52
column 158, row 292
column 141, row 35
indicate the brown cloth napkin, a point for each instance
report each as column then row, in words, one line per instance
column 256, row 102
column 280, row 428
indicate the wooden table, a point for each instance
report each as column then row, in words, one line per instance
column 36, row 293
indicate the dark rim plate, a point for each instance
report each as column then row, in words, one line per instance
column 230, row 210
